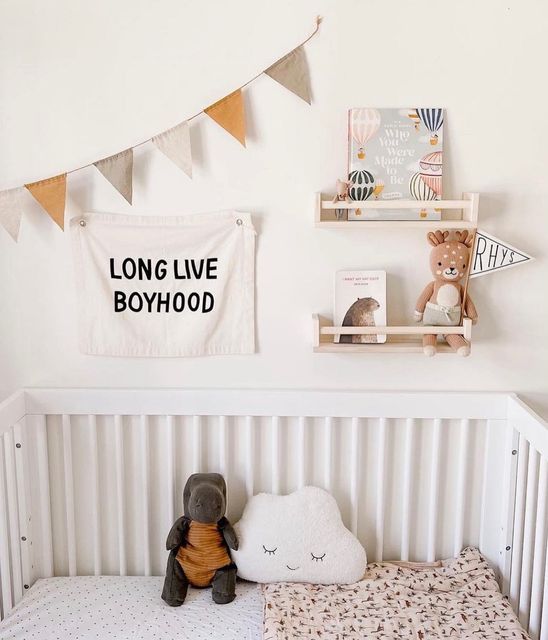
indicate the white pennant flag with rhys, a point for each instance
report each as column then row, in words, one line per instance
column 10, row 211
column 492, row 254
column 165, row 285
column 175, row 144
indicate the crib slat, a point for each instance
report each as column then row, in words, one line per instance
column 249, row 449
column 275, row 448
column 538, row 554
column 5, row 564
column 544, row 621
column 407, row 488
column 519, row 521
column 145, row 492
column 95, row 500
column 528, row 538
column 301, row 452
column 485, row 485
column 354, row 474
column 460, row 508
column 13, row 516
column 196, row 444
column 380, row 495
column 46, row 539
column 120, row 494
column 223, row 452
column 170, row 472
column 69, row 494
column 23, row 499
column 328, row 452
column 434, row 492
column 223, row 445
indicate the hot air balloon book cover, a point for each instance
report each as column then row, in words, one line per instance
column 395, row 154
column 360, row 301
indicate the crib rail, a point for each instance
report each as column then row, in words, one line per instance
column 15, row 568
column 529, row 567
column 417, row 476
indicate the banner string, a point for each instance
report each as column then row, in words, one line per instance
column 140, row 144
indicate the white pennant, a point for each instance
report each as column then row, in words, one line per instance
column 175, row 144
column 118, row 170
column 10, row 211
column 492, row 254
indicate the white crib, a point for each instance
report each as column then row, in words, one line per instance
column 91, row 479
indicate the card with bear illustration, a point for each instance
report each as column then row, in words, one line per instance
column 360, row 301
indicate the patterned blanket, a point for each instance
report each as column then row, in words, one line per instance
column 459, row 599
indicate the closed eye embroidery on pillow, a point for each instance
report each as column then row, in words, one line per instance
column 317, row 558
column 270, row 552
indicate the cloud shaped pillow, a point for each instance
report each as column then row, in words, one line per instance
column 299, row 537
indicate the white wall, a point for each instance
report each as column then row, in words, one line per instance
column 82, row 80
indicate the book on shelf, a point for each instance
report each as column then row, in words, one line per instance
column 395, row 154
column 360, row 301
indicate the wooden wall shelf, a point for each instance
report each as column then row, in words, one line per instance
column 400, row 339
column 456, row 214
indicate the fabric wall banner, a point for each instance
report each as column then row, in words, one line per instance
column 492, row 254
column 229, row 113
column 175, row 144
column 292, row 72
column 165, row 285
column 118, row 170
column 51, row 194
column 10, row 211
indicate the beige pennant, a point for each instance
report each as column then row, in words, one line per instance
column 51, row 194
column 118, row 170
column 175, row 144
column 11, row 212
column 229, row 113
column 292, row 72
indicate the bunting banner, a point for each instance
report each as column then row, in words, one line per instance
column 51, row 194
column 292, row 73
column 11, row 212
column 229, row 113
column 118, row 170
column 175, row 144
column 492, row 254
column 165, row 286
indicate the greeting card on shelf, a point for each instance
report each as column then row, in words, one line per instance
column 360, row 301
column 395, row 154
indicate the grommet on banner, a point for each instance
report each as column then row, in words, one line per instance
column 83, row 223
column 239, row 222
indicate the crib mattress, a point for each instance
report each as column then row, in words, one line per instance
column 120, row 608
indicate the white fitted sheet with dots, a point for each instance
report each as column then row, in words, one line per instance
column 120, row 608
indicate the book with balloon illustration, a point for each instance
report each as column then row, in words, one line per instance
column 395, row 154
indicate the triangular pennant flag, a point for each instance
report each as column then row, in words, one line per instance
column 50, row 194
column 230, row 114
column 118, row 170
column 492, row 254
column 292, row 72
column 175, row 144
column 10, row 211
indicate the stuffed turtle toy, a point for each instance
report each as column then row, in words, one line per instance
column 199, row 543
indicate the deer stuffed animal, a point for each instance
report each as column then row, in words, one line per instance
column 440, row 304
